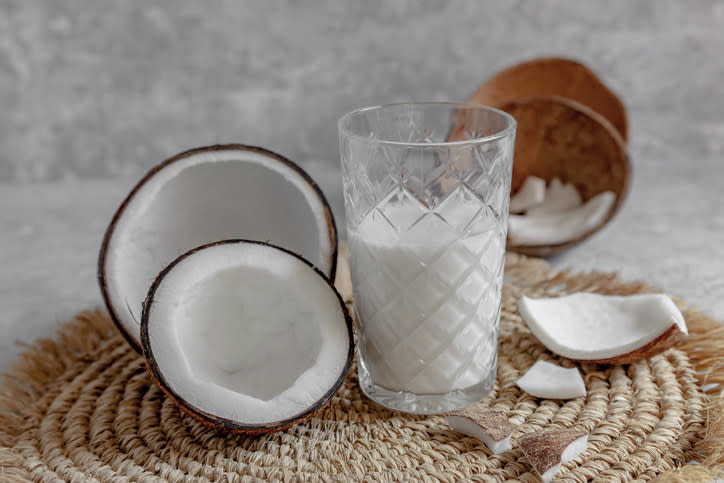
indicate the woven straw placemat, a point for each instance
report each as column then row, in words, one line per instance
column 81, row 407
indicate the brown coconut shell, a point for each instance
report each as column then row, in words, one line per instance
column 554, row 77
column 561, row 138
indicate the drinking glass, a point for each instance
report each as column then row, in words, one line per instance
column 427, row 188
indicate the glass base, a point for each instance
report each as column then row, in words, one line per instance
column 423, row 403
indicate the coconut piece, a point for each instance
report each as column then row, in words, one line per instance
column 548, row 450
column 530, row 194
column 246, row 336
column 559, row 197
column 550, row 381
column 489, row 426
column 553, row 228
column 205, row 195
column 608, row 329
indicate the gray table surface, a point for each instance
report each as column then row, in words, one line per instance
column 94, row 93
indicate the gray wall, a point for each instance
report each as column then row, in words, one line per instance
column 92, row 88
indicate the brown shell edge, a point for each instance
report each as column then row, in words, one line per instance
column 222, row 423
column 672, row 336
column 101, row 271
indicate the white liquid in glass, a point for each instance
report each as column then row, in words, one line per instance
column 428, row 301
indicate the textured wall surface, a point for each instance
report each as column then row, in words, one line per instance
column 95, row 92
column 92, row 88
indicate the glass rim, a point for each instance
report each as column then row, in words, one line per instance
column 511, row 124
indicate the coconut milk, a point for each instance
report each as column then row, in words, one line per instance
column 427, row 301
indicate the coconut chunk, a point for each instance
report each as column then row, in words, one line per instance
column 610, row 329
column 559, row 197
column 548, row 450
column 246, row 336
column 531, row 193
column 550, row 381
column 551, row 228
column 489, row 426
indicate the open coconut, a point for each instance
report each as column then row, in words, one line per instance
column 554, row 77
column 560, row 138
column 204, row 195
column 245, row 336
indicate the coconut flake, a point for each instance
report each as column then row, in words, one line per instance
column 489, row 426
column 551, row 381
column 559, row 197
column 548, row 450
column 531, row 193
column 552, row 228
column 604, row 328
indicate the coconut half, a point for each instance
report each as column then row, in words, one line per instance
column 245, row 336
column 607, row 329
column 201, row 196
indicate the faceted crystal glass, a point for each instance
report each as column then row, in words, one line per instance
column 427, row 188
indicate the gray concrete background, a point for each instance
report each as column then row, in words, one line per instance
column 93, row 93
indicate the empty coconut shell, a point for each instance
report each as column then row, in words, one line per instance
column 562, row 138
column 554, row 77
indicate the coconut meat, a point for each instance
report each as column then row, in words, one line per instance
column 560, row 227
column 559, row 197
column 247, row 335
column 530, row 194
column 571, row 452
column 551, row 381
column 489, row 426
column 547, row 450
column 209, row 196
column 589, row 326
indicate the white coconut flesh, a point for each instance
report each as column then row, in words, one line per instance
column 211, row 195
column 246, row 332
column 588, row 326
column 560, row 227
column 530, row 194
column 559, row 197
column 551, row 381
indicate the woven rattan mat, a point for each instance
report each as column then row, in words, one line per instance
column 81, row 407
